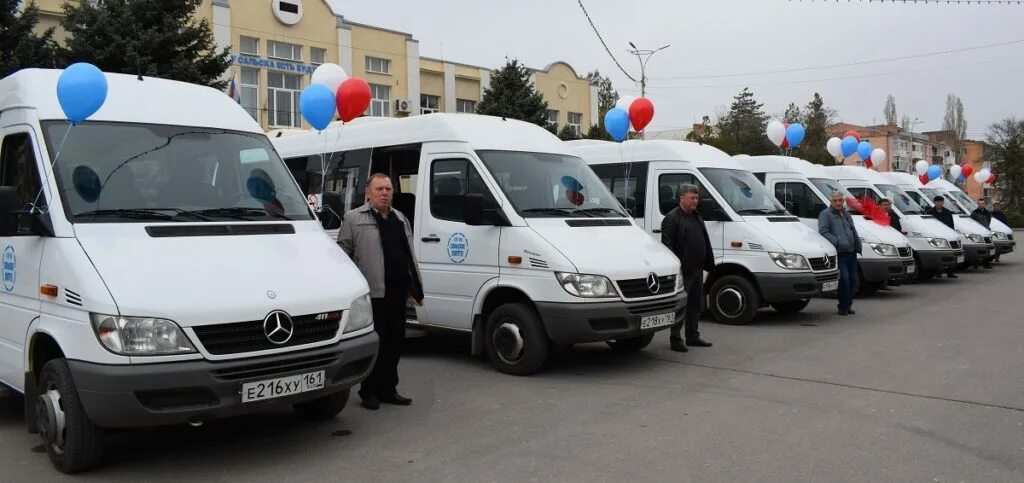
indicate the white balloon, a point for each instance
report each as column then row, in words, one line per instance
column 955, row 171
column 981, row 176
column 987, row 171
column 834, row 147
column 776, row 132
column 624, row 102
column 878, row 156
column 330, row 75
column 921, row 167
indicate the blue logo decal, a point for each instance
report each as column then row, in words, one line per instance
column 458, row 248
column 10, row 266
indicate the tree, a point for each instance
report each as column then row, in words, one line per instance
column 743, row 127
column 905, row 122
column 1005, row 152
column 568, row 133
column 890, row 110
column 159, row 38
column 512, row 95
column 606, row 95
column 20, row 46
column 598, row 132
column 955, row 124
column 816, row 120
column 792, row 114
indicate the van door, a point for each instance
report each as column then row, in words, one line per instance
column 22, row 253
column 666, row 198
column 799, row 199
column 455, row 259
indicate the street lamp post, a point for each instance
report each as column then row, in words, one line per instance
column 912, row 160
column 643, row 56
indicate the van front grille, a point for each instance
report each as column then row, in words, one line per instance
column 242, row 337
column 638, row 287
column 822, row 263
column 954, row 245
column 904, row 252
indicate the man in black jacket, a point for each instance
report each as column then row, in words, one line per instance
column 981, row 214
column 946, row 217
column 997, row 213
column 683, row 232
column 894, row 219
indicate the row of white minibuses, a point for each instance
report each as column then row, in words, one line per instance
column 164, row 266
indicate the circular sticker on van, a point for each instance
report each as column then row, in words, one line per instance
column 10, row 268
column 458, row 248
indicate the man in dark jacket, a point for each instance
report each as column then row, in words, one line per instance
column 836, row 225
column 894, row 219
column 683, row 232
column 946, row 217
column 981, row 214
column 997, row 213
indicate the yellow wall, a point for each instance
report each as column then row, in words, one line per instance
column 468, row 89
column 385, row 45
column 433, row 84
column 576, row 90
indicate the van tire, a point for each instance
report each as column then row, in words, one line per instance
column 868, row 288
column 734, row 300
column 516, row 341
column 324, row 408
column 83, row 441
column 791, row 306
column 632, row 344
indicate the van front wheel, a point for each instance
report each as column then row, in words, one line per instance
column 734, row 300
column 515, row 339
column 73, row 442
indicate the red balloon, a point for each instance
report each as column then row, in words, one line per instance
column 924, row 179
column 966, row 170
column 868, row 163
column 852, row 133
column 641, row 111
column 574, row 197
column 991, row 179
column 353, row 98
column 785, row 142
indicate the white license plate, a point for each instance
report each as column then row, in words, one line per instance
column 992, row 251
column 911, row 268
column 830, row 286
column 654, row 321
column 960, row 259
column 281, row 387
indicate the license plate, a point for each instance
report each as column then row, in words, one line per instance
column 991, row 251
column 911, row 268
column 281, row 387
column 960, row 259
column 654, row 321
column 830, row 286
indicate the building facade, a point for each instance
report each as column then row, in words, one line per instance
column 903, row 148
column 276, row 45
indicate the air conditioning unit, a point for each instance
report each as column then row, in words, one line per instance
column 401, row 105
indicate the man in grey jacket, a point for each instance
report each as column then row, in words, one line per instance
column 379, row 241
column 836, row 225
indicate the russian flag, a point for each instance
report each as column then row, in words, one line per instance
column 233, row 91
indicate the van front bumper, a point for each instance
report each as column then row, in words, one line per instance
column 978, row 254
column 573, row 323
column 1005, row 246
column 938, row 260
column 881, row 270
column 785, row 287
column 144, row 395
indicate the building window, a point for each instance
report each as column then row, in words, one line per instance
column 553, row 119
column 380, row 102
column 317, row 55
column 465, row 106
column 576, row 123
column 283, row 99
column 249, row 92
column 375, row 65
column 429, row 104
column 249, row 45
column 281, row 50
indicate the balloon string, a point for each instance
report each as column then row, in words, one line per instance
column 46, row 174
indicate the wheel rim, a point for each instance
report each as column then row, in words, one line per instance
column 51, row 420
column 508, row 342
column 730, row 301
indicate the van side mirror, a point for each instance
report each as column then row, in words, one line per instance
column 9, row 204
column 479, row 211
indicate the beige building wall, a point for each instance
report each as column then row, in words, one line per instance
column 383, row 44
column 565, row 92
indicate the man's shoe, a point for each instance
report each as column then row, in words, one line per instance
column 988, row 267
column 844, row 312
column 698, row 342
column 851, row 312
column 371, row 403
column 952, row 275
column 396, row 399
column 678, row 345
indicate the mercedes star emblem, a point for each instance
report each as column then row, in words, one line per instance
column 653, row 284
column 278, row 327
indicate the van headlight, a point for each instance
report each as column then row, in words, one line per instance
column 884, row 249
column 938, row 242
column 360, row 314
column 140, row 336
column 580, row 285
column 679, row 281
column 974, row 238
column 998, row 235
column 789, row 261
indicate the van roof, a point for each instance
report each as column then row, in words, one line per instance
column 781, row 164
column 481, row 132
column 150, row 100
column 905, row 179
column 700, row 155
column 849, row 172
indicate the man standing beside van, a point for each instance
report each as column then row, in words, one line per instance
column 836, row 225
column 379, row 241
column 894, row 219
column 683, row 232
column 940, row 213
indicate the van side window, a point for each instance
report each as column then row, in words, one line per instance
column 450, row 181
column 668, row 193
column 862, row 192
column 626, row 182
column 18, row 169
column 799, row 199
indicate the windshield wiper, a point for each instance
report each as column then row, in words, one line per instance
column 549, row 211
column 755, row 211
column 602, row 210
column 134, row 213
column 239, row 213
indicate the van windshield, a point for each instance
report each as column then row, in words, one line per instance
column 949, row 204
column 111, row 172
column 964, row 200
column 543, row 185
column 829, row 186
column 900, row 200
column 743, row 192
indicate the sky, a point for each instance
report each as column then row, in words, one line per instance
column 712, row 38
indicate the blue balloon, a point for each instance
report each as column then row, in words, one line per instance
column 81, row 91
column 572, row 184
column 934, row 172
column 864, row 150
column 318, row 105
column 849, row 146
column 794, row 134
column 616, row 122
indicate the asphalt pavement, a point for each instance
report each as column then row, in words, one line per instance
column 924, row 383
